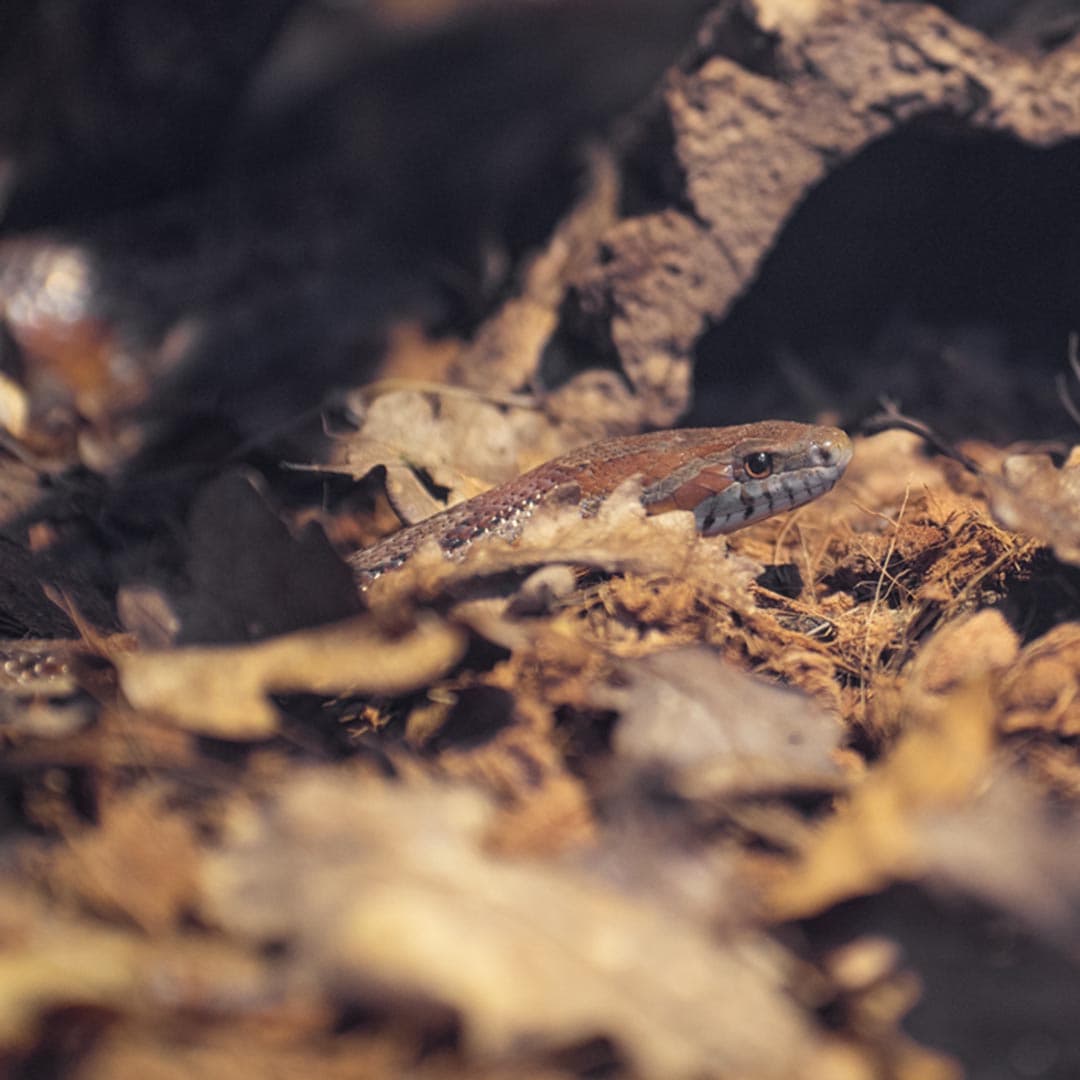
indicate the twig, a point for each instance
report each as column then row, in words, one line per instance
column 891, row 418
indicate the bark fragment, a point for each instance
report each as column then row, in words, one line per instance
column 765, row 112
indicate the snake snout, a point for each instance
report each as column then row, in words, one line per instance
column 833, row 451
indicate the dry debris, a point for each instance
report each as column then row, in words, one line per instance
column 612, row 799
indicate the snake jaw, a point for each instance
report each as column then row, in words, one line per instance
column 801, row 475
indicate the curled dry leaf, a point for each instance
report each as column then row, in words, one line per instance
column 695, row 726
column 49, row 963
column 405, row 431
column 890, row 470
column 936, row 765
column 139, row 862
column 1006, row 848
column 387, row 894
column 721, row 730
column 1034, row 497
column 1042, row 689
column 222, row 691
column 461, row 441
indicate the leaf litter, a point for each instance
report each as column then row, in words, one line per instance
column 577, row 805
column 592, row 833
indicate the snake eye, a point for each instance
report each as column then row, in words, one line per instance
column 758, row 465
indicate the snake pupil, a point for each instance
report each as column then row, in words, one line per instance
column 758, row 465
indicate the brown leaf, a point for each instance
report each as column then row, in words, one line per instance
column 49, row 963
column 1042, row 689
column 139, row 862
column 387, row 894
column 721, row 729
column 461, row 441
column 1006, row 848
column 223, row 690
column 938, row 763
column 1034, row 497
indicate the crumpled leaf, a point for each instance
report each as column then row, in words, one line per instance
column 138, row 862
column 461, row 441
column 722, row 730
column 223, row 690
column 1034, row 497
column 1042, row 690
column 388, row 893
column 48, row 962
column 937, row 765
column 1006, row 848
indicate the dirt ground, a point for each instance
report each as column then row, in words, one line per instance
column 615, row 799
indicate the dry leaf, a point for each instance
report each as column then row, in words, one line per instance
column 936, row 765
column 388, row 894
column 1042, row 689
column 1008, row 849
column 1034, row 497
column 49, row 963
column 223, row 690
column 139, row 862
column 461, row 441
column 722, row 730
